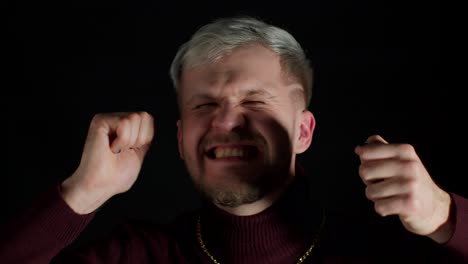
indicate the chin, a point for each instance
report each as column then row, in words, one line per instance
column 237, row 198
column 232, row 194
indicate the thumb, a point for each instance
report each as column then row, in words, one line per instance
column 376, row 139
column 372, row 140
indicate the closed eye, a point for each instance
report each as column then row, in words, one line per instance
column 211, row 104
column 253, row 102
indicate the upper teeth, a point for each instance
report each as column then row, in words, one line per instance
column 229, row 152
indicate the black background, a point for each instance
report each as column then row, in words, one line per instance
column 377, row 70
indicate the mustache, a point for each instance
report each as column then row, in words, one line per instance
column 231, row 138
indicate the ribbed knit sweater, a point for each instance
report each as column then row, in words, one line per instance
column 279, row 234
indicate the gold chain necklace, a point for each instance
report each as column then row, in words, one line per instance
column 299, row 261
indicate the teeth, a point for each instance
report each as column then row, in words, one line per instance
column 228, row 152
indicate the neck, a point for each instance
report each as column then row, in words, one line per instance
column 259, row 205
column 281, row 233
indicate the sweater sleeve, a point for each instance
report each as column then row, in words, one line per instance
column 41, row 231
column 458, row 243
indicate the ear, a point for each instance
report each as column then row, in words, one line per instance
column 306, row 130
column 179, row 139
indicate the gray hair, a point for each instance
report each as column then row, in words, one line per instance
column 222, row 36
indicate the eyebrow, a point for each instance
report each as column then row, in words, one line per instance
column 261, row 92
column 199, row 97
column 246, row 93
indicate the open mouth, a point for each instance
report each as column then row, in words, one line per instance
column 232, row 152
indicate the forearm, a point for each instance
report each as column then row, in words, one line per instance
column 458, row 242
column 42, row 231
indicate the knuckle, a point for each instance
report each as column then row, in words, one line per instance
column 369, row 193
column 406, row 148
column 363, row 170
column 146, row 115
column 409, row 167
column 411, row 204
column 124, row 123
column 98, row 119
column 134, row 117
column 99, row 122
column 380, row 208
column 140, row 141
column 123, row 129
column 412, row 185
column 147, row 119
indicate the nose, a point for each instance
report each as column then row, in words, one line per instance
column 228, row 118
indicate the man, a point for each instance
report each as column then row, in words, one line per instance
column 243, row 91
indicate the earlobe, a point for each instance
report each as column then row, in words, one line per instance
column 179, row 139
column 306, row 131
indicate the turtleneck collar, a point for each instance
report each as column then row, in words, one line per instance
column 279, row 234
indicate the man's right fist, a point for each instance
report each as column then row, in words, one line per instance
column 113, row 153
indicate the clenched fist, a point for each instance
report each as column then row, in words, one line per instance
column 398, row 184
column 113, row 153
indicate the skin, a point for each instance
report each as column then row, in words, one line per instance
column 399, row 184
column 112, row 157
column 227, row 103
column 278, row 127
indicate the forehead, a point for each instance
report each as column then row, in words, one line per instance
column 244, row 68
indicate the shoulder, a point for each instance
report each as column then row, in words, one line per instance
column 146, row 229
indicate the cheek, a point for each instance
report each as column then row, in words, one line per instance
column 277, row 132
column 191, row 135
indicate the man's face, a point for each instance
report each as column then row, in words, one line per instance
column 242, row 123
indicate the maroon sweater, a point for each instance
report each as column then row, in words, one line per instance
column 280, row 234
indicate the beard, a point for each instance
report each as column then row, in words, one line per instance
column 238, row 185
column 241, row 188
column 232, row 195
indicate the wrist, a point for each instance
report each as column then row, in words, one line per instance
column 445, row 230
column 79, row 199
